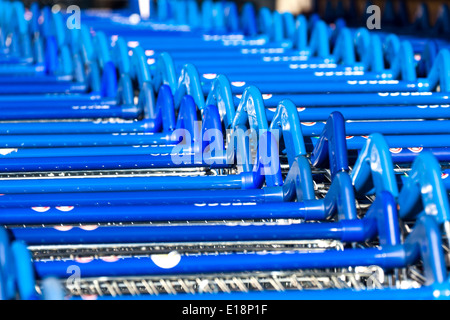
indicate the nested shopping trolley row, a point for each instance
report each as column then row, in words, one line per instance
column 217, row 152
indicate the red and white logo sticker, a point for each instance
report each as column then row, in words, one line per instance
column 416, row 150
column 210, row 76
column 41, row 209
column 65, row 209
column 167, row 261
column 5, row 152
column 84, row 259
column 64, row 229
column 238, row 84
column 349, row 137
column 396, row 150
column 89, row 228
column 309, row 124
column 444, row 175
column 110, row 259
column 267, row 96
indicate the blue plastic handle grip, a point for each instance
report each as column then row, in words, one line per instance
column 287, row 122
column 7, row 267
column 299, row 181
column 221, row 96
column 424, row 191
column 120, row 56
column 139, row 65
column 251, row 110
column 165, row 72
column 439, row 74
column 332, row 145
column 24, row 270
column 189, row 84
column 341, row 198
column 374, row 170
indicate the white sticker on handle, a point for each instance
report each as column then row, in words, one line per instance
column 166, row 261
column 5, row 152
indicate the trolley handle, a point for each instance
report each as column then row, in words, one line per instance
column 286, row 118
column 189, row 84
column 165, row 72
column 332, row 146
column 373, row 172
column 221, row 96
column 424, row 191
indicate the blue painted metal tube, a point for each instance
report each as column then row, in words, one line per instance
column 154, row 183
column 148, row 33
column 409, row 155
column 267, row 69
column 211, row 46
column 106, row 126
column 327, row 87
column 245, row 60
column 55, row 101
column 351, row 231
column 405, row 148
column 143, row 198
column 244, row 54
column 84, row 112
column 47, row 79
column 98, row 163
column 402, row 141
column 8, row 59
column 289, row 63
column 82, row 140
column 430, row 109
column 361, row 99
column 425, row 293
column 387, row 258
column 112, row 214
column 410, row 141
column 377, row 112
column 154, row 147
column 234, row 48
column 299, row 68
column 269, row 64
column 151, row 35
column 93, row 151
column 149, row 29
column 40, row 88
column 226, row 48
column 384, row 127
column 293, row 76
column 7, row 70
column 132, row 126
